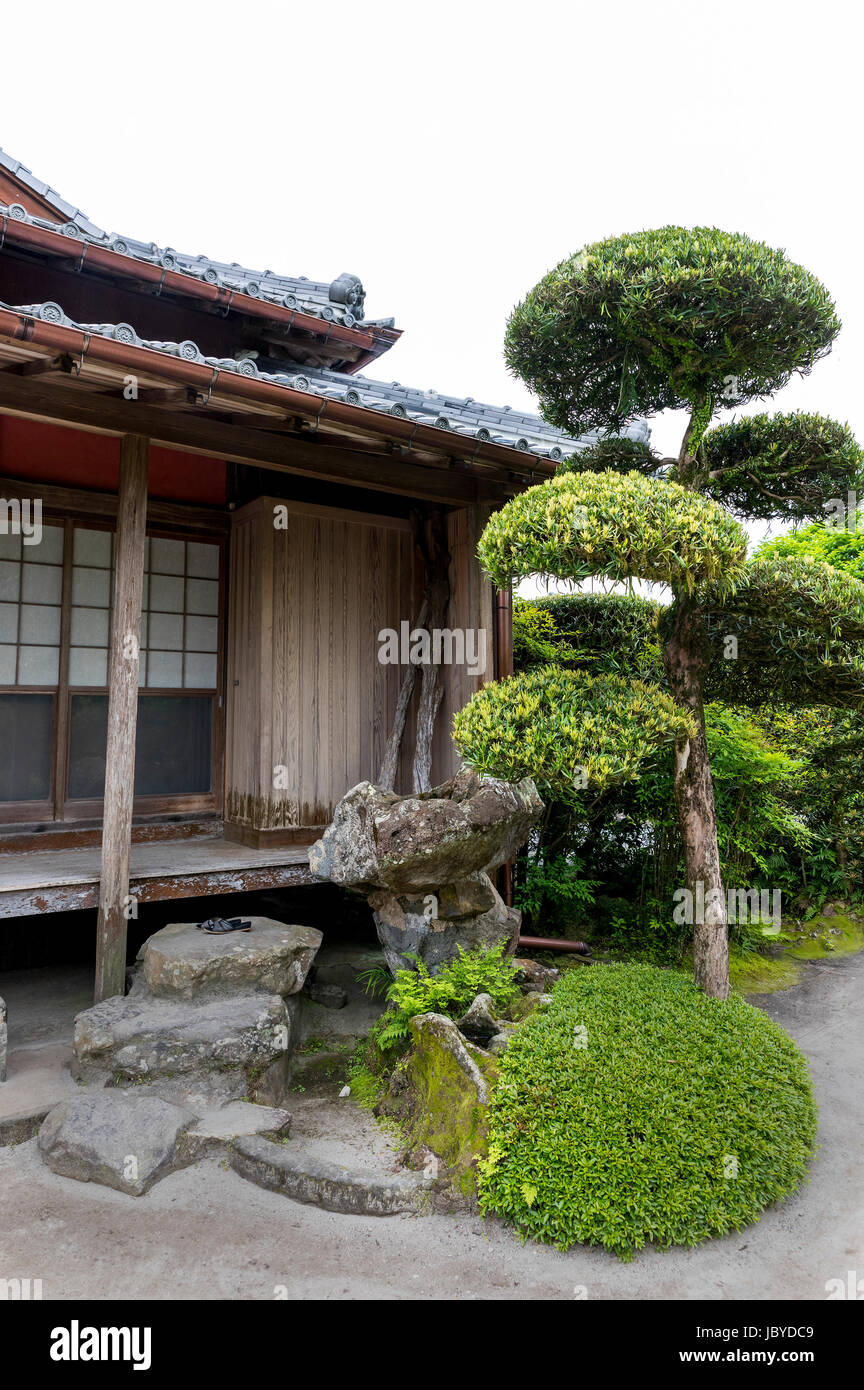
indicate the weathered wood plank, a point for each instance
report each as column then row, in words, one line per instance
column 122, row 718
column 30, row 902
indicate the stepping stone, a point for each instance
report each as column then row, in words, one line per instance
column 273, row 958
column 118, row 1138
column 220, row 1127
column 328, row 1185
column 139, row 1037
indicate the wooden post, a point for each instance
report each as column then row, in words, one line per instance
column 122, row 718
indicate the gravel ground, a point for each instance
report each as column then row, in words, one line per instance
column 205, row 1233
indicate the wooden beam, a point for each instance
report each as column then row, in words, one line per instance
column 78, row 502
column 191, row 429
column 38, row 366
column 122, row 718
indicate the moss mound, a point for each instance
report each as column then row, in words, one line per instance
column 634, row 1110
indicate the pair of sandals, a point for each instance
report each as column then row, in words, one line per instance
column 217, row 926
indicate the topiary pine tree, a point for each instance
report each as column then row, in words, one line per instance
column 698, row 319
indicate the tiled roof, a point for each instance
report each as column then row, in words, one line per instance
column 461, row 414
column 340, row 301
column 50, row 195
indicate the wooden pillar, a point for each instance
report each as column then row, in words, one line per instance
column 122, row 718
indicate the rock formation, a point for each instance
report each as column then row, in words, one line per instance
column 422, row 862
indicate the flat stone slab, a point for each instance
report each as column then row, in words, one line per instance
column 118, row 1138
column 142, row 1037
column 222, row 1126
column 308, row 1179
column 272, row 958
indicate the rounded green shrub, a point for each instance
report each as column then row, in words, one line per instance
column 566, row 728
column 636, row 1110
column 618, row 525
column 790, row 466
column 616, row 452
column 664, row 318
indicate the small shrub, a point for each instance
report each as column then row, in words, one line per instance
column 682, row 1117
column 450, row 992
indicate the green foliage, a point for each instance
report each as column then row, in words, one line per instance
column 659, row 941
column 841, row 547
column 616, row 452
column 555, row 883
column 777, row 665
column 612, row 634
column 630, row 1139
column 451, row 991
column 786, row 466
column 619, row 526
column 798, row 593
column 666, row 318
column 566, row 728
column 536, row 638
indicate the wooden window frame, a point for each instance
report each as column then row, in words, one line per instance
column 170, row 522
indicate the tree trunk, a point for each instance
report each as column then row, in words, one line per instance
column 694, row 797
column 437, row 559
column 390, row 761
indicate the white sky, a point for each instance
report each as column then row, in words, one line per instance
column 452, row 155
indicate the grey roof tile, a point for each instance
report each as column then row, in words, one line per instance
column 340, row 301
column 461, row 414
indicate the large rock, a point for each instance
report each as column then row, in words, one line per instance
column 273, row 958
column 3, row 1039
column 441, row 1098
column 240, row 1043
column 480, row 1024
column 415, row 844
column 412, row 927
column 118, row 1138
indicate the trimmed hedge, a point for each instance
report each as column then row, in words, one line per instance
column 634, row 1138
column 662, row 318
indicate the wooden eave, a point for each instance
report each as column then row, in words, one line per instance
column 66, row 376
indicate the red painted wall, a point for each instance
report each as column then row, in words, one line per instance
column 75, row 458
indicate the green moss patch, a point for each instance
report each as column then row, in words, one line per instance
column 634, row 1110
column 752, row 973
column 836, row 936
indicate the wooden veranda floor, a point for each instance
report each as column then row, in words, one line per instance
column 59, row 880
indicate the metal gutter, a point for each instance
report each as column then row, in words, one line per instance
column 110, row 262
column 58, row 338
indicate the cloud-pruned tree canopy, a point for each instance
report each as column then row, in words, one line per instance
column 781, row 466
column 616, row 525
column 666, row 318
column 798, row 593
column 555, row 725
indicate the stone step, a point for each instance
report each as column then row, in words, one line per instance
column 180, row 961
column 241, row 1043
column 129, row 1139
column 302, row 1175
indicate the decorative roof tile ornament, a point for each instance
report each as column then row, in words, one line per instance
column 340, row 301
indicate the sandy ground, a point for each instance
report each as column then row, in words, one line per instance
column 206, row 1233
